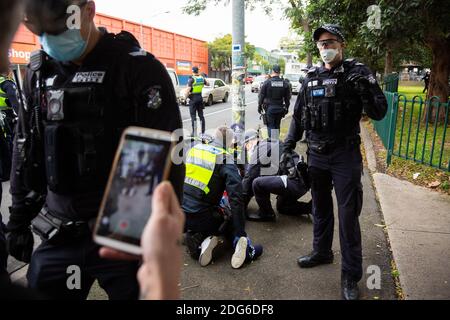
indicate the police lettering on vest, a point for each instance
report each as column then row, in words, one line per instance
column 330, row 105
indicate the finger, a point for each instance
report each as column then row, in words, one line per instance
column 108, row 253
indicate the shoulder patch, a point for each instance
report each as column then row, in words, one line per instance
column 139, row 53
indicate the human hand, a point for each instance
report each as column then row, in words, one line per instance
column 162, row 256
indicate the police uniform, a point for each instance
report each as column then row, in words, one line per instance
column 8, row 103
column 82, row 111
column 329, row 109
column 274, row 98
column 210, row 170
column 290, row 186
column 196, row 82
column 260, row 163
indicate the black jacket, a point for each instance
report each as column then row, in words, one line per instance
column 372, row 101
column 225, row 177
column 129, row 78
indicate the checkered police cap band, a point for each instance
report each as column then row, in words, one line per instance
column 331, row 29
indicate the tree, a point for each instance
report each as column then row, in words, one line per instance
column 403, row 24
column 221, row 55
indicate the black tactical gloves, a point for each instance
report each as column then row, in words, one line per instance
column 20, row 244
column 260, row 109
column 358, row 82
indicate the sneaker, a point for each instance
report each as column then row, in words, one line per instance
column 240, row 252
column 193, row 243
column 253, row 252
column 207, row 248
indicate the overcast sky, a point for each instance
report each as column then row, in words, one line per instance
column 261, row 30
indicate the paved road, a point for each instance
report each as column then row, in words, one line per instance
column 276, row 275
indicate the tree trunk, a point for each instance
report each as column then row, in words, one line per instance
column 389, row 62
column 439, row 80
column 307, row 28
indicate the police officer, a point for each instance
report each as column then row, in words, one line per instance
column 195, row 86
column 329, row 109
column 8, row 103
column 211, row 170
column 263, row 156
column 274, row 100
column 82, row 92
column 289, row 186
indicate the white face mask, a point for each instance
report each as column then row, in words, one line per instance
column 328, row 55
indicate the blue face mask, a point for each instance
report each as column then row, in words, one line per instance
column 67, row 46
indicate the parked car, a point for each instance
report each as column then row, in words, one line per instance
column 176, row 82
column 215, row 91
column 249, row 80
column 258, row 82
column 295, row 80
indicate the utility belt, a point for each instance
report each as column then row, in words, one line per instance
column 327, row 146
column 57, row 230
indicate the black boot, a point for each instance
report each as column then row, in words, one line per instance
column 315, row 259
column 349, row 289
column 259, row 216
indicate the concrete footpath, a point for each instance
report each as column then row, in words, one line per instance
column 417, row 221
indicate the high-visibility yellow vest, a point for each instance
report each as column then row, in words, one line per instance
column 3, row 96
column 199, row 83
column 200, row 164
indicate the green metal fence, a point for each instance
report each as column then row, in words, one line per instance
column 413, row 130
column 390, row 82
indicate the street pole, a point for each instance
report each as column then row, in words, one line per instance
column 238, row 71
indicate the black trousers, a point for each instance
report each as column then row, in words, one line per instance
column 210, row 223
column 342, row 169
column 287, row 198
column 196, row 107
column 274, row 116
column 48, row 272
column 3, row 252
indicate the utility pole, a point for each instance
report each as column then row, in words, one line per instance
column 238, row 71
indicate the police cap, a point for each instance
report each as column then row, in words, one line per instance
column 195, row 69
column 331, row 28
column 49, row 16
column 276, row 68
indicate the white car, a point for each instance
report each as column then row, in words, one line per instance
column 215, row 91
column 295, row 81
column 257, row 83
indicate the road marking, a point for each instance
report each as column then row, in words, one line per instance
column 216, row 112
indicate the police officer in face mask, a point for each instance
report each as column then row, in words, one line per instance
column 81, row 92
column 274, row 100
column 329, row 109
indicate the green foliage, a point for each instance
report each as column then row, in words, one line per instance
column 220, row 51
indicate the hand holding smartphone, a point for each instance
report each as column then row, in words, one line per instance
column 142, row 161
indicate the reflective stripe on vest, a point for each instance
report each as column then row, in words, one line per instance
column 3, row 96
column 198, row 84
column 200, row 164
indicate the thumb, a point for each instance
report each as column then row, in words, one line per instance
column 161, row 199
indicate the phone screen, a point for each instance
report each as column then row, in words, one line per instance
column 140, row 168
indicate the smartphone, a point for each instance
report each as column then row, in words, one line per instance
column 142, row 161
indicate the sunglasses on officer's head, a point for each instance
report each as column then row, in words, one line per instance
column 51, row 19
column 328, row 42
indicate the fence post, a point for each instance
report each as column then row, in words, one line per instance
column 393, row 109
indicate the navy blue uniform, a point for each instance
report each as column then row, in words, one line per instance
column 117, row 85
column 9, row 88
column 201, row 209
column 261, row 157
column 275, row 95
column 196, row 106
column 329, row 108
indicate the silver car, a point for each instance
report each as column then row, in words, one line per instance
column 257, row 83
column 295, row 81
column 215, row 91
